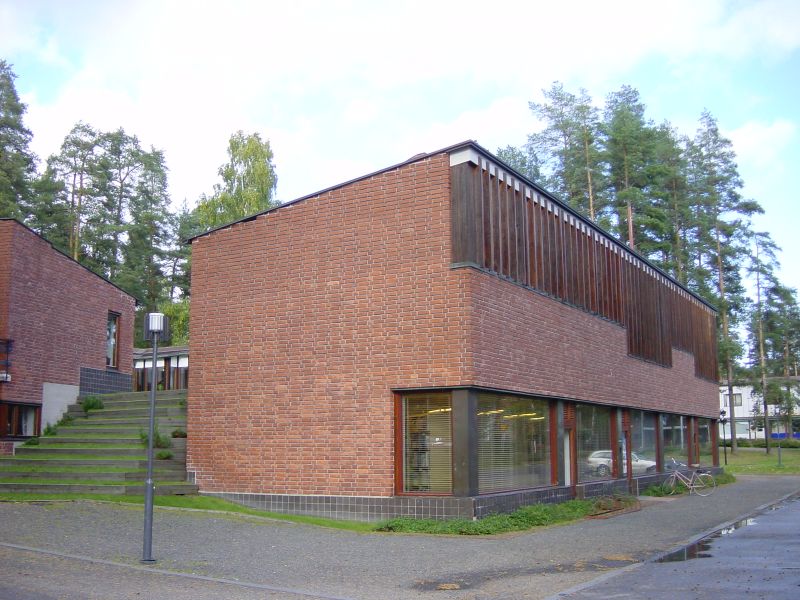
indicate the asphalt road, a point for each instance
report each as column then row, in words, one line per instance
column 76, row 550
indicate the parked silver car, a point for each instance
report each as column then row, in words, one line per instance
column 600, row 462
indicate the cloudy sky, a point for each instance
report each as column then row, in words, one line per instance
column 343, row 88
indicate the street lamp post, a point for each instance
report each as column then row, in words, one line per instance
column 723, row 420
column 156, row 324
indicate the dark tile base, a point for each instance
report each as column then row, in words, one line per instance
column 359, row 508
column 97, row 381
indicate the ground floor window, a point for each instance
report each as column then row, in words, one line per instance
column 172, row 374
column 705, row 442
column 19, row 420
column 513, row 443
column 676, row 439
column 504, row 442
column 427, row 443
column 643, row 442
column 593, row 438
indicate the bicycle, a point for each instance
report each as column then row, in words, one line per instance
column 699, row 482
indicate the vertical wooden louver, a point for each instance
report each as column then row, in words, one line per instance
column 569, row 415
column 504, row 225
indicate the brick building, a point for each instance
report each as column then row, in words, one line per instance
column 439, row 338
column 64, row 331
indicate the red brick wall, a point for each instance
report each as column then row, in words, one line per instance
column 5, row 272
column 304, row 319
column 56, row 315
column 528, row 342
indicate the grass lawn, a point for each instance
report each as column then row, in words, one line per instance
column 755, row 461
column 194, row 502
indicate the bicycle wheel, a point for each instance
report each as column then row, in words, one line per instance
column 704, row 484
column 670, row 484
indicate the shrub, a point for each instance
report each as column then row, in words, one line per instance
column 92, row 403
column 163, row 455
column 34, row 441
column 50, row 430
column 178, row 433
column 761, row 443
column 159, row 440
column 65, row 420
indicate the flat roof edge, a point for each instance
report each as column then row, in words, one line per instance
column 68, row 257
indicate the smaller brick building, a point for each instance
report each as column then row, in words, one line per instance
column 440, row 338
column 64, row 331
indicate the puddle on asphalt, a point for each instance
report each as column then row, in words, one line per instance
column 466, row 581
column 701, row 549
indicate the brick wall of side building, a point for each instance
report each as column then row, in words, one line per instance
column 528, row 342
column 56, row 313
column 305, row 318
column 6, row 235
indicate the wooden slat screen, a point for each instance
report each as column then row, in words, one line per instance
column 503, row 225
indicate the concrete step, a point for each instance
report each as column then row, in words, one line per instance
column 101, row 421
column 166, row 395
column 143, row 403
column 33, row 451
column 69, row 430
column 87, row 439
column 161, row 411
column 162, row 475
column 167, row 489
column 131, row 463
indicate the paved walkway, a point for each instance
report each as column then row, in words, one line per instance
column 91, row 550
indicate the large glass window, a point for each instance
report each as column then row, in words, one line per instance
column 676, row 439
column 427, row 443
column 705, row 447
column 643, row 442
column 513, row 443
column 112, row 340
column 595, row 453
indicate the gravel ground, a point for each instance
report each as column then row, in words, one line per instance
column 295, row 561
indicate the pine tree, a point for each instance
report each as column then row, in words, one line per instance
column 120, row 160
column 569, row 147
column 629, row 153
column 524, row 161
column 17, row 162
column 75, row 166
column 148, row 233
column 722, row 220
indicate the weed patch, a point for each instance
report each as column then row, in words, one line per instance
column 92, row 403
column 527, row 517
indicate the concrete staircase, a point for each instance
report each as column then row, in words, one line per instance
column 102, row 452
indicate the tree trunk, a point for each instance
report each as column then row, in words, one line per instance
column 762, row 361
column 588, row 173
column 723, row 309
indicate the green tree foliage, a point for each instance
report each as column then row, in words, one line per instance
column 74, row 168
column 248, row 182
column 630, row 147
column 774, row 332
column 149, row 233
column 524, row 161
column 568, row 147
column 17, row 163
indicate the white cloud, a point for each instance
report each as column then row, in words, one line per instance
column 761, row 145
column 347, row 84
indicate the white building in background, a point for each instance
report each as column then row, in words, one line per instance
column 748, row 410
